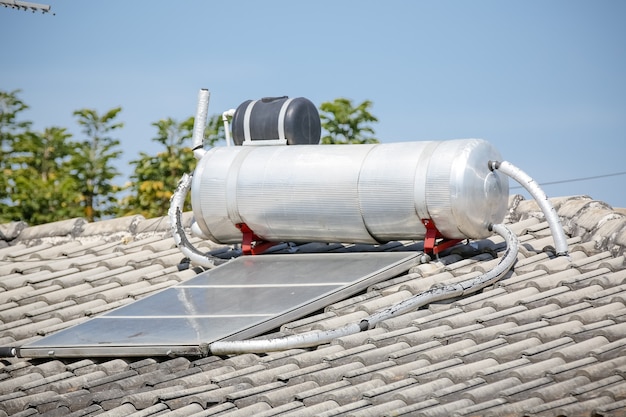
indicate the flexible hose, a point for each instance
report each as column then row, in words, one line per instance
column 434, row 294
column 176, row 225
column 507, row 168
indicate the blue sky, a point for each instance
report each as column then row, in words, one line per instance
column 543, row 81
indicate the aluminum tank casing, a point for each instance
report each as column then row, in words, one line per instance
column 370, row 193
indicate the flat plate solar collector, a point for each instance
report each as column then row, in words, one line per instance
column 240, row 299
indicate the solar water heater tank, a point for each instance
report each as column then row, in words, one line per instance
column 369, row 193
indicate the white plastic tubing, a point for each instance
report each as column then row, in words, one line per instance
column 178, row 233
column 199, row 123
column 547, row 208
column 436, row 293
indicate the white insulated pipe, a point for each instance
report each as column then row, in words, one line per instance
column 549, row 212
column 199, row 123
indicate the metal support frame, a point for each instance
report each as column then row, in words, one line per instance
column 430, row 240
column 251, row 244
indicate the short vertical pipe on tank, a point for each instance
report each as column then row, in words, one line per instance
column 225, row 116
column 200, row 123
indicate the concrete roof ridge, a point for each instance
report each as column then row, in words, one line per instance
column 581, row 216
column 67, row 229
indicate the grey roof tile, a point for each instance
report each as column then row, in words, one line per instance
column 334, row 373
column 378, row 410
column 467, row 371
column 583, row 407
column 246, row 397
column 592, row 389
column 487, row 391
column 352, row 393
column 611, row 408
column 616, row 391
column 318, row 409
column 446, row 409
column 573, row 297
column 413, row 409
column 385, row 392
column 510, row 299
column 439, row 353
column 347, row 409
column 379, row 354
column 419, row 392
column 512, row 351
column 400, row 371
column 366, row 373
column 430, row 372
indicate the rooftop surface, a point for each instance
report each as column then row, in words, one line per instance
column 547, row 339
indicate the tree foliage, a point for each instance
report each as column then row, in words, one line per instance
column 345, row 123
column 93, row 162
column 156, row 176
column 42, row 186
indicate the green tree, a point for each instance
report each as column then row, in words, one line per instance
column 156, row 176
column 93, row 162
column 42, row 188
column 10, row 129
column 345, row 123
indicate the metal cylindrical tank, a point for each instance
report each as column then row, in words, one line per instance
column 371, row 193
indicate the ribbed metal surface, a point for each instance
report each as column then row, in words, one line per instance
column 351, row 193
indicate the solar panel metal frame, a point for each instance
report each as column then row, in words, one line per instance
column 240, row 299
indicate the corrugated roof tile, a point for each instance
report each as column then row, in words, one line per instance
column 616, row 391
column 377, row 410
column 583, row 407
column 547, row 349
column 302, row 373
column 476, row 301
column 430, row 372
column 446, row 409
column 379, row 354
column 510, row 299
column 366, row 373
column 467, row 371
column 313, row 357
column 570, row 369
column 413, row 409
column 403, row 320
column 315, row 395
column 421, row 391
column 554, row 331
column 289, row 407
column 531, row 313
column 285, row 394
column 384, row 393
column 347, row 409
column 18, row 405
column 318, row 410
column 487, row 391
column 610, row 279
column 445, row 351
column 401, row 371
column 573, row 297
column 375, row 304
column 335, row 373
column 489, row 332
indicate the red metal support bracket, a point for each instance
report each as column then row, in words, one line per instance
column 251, row 244
column 430, row 240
